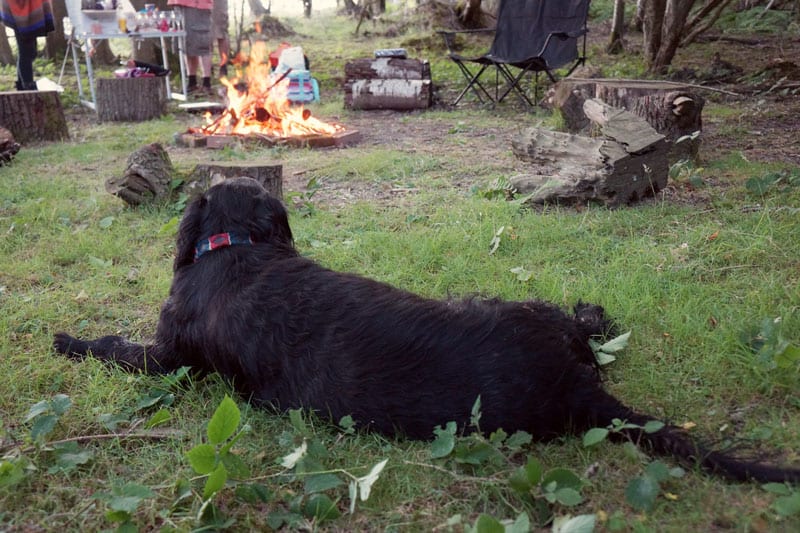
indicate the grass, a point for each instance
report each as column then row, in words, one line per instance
column 687, row 281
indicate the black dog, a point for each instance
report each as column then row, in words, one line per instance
column 290, row 333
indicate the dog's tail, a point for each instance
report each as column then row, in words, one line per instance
column 674, row 441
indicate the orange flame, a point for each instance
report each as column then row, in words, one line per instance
column 258, row 103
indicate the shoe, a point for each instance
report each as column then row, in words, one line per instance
column 223, row 70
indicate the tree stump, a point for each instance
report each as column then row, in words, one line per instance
column 148, row 175
column 131, row 99
column 33, row 116
column 8, row 146
column 670, row 108
column 387, row 83
column 629, row 162
column 207, row 175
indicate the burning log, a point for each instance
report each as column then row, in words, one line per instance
column 33, row 115
column 629, row 162
column 258, row 103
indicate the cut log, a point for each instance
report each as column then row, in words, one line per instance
column 388, row 83
column 147, row 177
column 33, row 116
column 209, row 174
column 629, row 162
column 386, row 68
column 131, row 99
column 672, row 109
column 8, row 146
column 398, row 94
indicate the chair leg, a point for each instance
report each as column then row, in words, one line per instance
column 512, row 83
column 473, row 82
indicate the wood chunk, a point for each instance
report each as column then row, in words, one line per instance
column 33, row 116
column 207, row 175
column 131, row 99
column 672, row 109
column 8, row 146
column 627, row 162
column 147, row 177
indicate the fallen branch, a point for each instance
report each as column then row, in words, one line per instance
column 676, row 84
column 154, row 435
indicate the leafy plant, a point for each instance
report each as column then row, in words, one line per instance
column 642, row 491
column 302, row 200
column 45, row 414
column 788, row 501
column 781, row 182
column 685, row 171
column 771, row 349
column 605, row 353
column 122, row 502
column 214, row 458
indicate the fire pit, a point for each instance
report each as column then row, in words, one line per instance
column 258, row 110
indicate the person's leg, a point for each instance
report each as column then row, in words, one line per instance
column 224, row 49
column 191, row 69
column 27, row 53
column 205, row 65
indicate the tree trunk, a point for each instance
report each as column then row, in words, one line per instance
column 307, row 8
column 56, row 43
column 638, row 18
column 652, row 22
column 6, row 54
column 469, row 13
column 675, row 15
column 615, row 44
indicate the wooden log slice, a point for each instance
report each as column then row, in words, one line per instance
column 208, row 174
column 33, row 116
column 131, row 99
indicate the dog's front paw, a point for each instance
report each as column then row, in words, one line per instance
column 70, row 346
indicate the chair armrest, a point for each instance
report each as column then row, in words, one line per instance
column 450, row 35
column 563, row 35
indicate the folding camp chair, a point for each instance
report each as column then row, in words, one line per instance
column 531, row 36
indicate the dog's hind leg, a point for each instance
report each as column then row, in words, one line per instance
column 152, row 359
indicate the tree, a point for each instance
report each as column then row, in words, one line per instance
column 666, row 26
column 6, row 54
column 615, row 44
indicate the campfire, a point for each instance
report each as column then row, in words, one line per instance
column 258, row 106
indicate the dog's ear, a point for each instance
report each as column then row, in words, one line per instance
column 271, row 223
column 188, row 233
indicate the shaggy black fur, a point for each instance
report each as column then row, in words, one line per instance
column 290, row 333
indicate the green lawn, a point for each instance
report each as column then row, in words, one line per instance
column 696, row 284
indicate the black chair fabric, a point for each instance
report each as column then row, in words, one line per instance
column 530, row 36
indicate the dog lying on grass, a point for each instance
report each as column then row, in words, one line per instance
column 289, row 333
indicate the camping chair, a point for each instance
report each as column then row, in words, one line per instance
column 531, row 36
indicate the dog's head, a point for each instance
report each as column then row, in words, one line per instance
column 237, row 205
